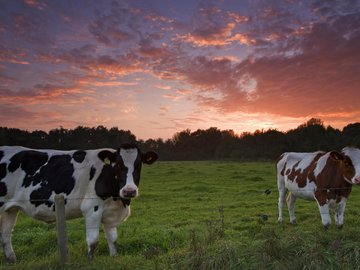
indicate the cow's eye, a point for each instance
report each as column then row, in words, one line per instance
column 120, row 166
column 347, row 163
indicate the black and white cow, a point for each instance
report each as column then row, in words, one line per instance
column 97, row 184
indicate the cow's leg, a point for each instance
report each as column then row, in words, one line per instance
column 325, row 214
column 92, row 220
column 111, row 236
column 282, row 194
column 8, row 220
column 291, row 206
column 339, row 213
column 281, row 203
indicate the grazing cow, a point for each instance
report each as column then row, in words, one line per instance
column 97, row 184
column 324, row 177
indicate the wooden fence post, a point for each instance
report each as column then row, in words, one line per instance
column 61, row 227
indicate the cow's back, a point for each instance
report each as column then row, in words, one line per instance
column 29, row 179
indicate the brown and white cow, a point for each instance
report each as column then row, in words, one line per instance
column 97, row 184
column 324, row 177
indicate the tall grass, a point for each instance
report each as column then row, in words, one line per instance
column 203, row 215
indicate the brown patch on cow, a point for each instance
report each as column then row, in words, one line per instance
column 331, row 184
column 277, row 162
column 301, row 175
column 280, row 158
column 283, row 170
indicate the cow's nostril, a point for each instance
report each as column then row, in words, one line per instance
column 129, row 193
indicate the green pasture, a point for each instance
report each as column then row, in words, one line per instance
column 202, row 215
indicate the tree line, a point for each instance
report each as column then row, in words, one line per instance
column 209, row 144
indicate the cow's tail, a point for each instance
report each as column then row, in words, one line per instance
column 1, row 241
column 280, row 167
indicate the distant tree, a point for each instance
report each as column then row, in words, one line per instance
column 307, row 137
column 38, row 139
column 14, row 136
column 211, row 143
column 227, row 144
column 58, row 139
column 351, row 135
column 312, row 122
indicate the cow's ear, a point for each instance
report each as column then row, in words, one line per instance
column 336, row 155
column 149, row 157
column 107, row 157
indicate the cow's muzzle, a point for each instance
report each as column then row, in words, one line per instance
column 357, row 181
column 128, row 193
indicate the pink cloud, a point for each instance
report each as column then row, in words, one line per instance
column 13, row 55
column 37, row 4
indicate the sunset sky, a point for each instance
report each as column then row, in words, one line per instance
column 157, row 67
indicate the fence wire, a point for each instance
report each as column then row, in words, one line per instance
column 162, row 226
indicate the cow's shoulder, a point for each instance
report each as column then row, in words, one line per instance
column 29, row 160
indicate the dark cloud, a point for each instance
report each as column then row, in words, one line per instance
column 119, row 25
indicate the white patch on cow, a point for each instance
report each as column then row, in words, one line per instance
column 306, row 192
column 129, row 156
column 321, row 164
column 354, row 154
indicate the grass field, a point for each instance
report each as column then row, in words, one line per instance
column 203, row 215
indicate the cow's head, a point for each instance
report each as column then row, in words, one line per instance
column 350, row 163
column 128, row 168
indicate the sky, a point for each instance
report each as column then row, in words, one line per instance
column 157, row 67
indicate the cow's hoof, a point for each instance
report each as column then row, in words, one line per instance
column 91, row 252
column 293, row 222
column 11, row 259
column 326, row 227
column 340, row 226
